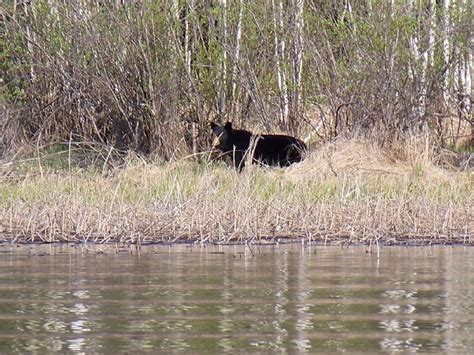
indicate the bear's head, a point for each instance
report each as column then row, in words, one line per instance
column 221, row 135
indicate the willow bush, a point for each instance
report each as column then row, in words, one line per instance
column 147, row 75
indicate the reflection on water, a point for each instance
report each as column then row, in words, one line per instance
column 289, row 298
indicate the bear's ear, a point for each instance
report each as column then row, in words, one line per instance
column 228, row 126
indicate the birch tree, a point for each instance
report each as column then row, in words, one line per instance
column 420, row 63
column 298, row 55
column 223, row 83
column 464, row 66
column 445, row 30
column 236, row 58
column 431, row 31
column 279, row 43
column 189, row 6
column 29, row 36
column 142, row 73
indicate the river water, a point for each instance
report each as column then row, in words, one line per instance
column 67, row 298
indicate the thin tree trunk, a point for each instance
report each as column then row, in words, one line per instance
column 187, row 45
column 15, row 5
column 468, row 84
column 465, row 66
column 29, row 37
column 431, row 31
column 420, row 60
column 223, row 84
column 280, row 61
column 238, row 36
column 298, row 52
column 176, row 53
column 390, row 108
column 445, row 23
column 348, row 13
column 148, row 64
column 189, row 11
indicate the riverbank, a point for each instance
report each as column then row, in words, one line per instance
column 349, row 192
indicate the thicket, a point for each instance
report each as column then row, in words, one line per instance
column 148, row 75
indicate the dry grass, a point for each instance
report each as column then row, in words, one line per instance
column 343, row 192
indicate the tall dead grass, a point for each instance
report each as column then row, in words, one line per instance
column 348, row 191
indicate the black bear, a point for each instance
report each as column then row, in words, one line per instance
column 268, row 149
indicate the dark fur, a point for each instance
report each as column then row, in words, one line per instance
column 270, row 149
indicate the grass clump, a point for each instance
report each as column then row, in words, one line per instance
column 348, row 191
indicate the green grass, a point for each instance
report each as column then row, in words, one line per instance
column 194, row 201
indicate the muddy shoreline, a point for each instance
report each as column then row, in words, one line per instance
column 262, row 241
